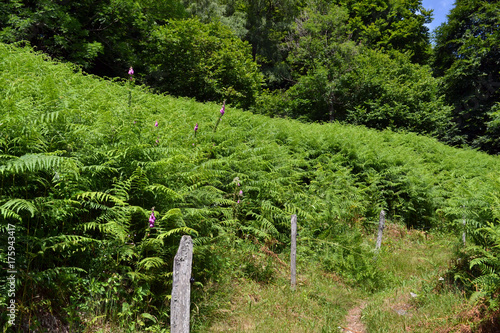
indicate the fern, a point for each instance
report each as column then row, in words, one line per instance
column 80, row 171
column 17, row 205
column 35, row 163
column 166, row 192
column 9, row 214
column 100, row 197
column 62, row 242
column 151, row 262
column 180, row 231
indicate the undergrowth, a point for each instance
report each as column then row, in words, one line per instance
column 83, row 161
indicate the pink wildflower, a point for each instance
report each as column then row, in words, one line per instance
column 223, row 110
column 152, row 218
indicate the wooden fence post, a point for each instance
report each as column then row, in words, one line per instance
column 181, row 288
column 293, row 254
column 381, row 225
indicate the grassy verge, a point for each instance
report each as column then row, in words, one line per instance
column 413, row 298
column 319, row 304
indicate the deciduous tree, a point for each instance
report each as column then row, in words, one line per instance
column 467, row 54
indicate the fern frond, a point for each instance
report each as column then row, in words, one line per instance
column 182, row 230
column 112, row 228
column 174, row 212
column 57, row 272
column 255, row 231
column 200, row 241
column 100, row 197
column 49, row 117
column 18, row 205
column 266, row 227
column 33, row 163
column 121, row 189
column 166, row 192
column 98, row 170
column 488, row 282
column 151, row 262
column 62, row 242
column 9, row 214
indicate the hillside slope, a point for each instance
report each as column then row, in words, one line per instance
column 84, row 162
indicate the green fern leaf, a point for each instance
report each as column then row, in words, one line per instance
column 151, row 262
column 18, row 205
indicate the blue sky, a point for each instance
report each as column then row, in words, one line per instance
column 441, row 9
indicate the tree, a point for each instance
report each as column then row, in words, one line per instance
column 467, row 54
column 262, row 23
column 391, row 92
column 205, row 61
column 103, row 36
column 391, row 25
column 338, row 80
column 320, row 53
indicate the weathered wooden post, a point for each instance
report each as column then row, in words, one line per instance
column 381, row 225
column 181, row 288
column 293, row 254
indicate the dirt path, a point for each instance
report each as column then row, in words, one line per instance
column 353, row 320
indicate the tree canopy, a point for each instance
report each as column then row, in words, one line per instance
column 391, row 25
column 205, row 61
column 467, row 55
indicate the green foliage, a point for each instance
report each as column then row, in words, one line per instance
column 81, row 170
column 466, row 54
column 341, row 249
column 321, row 55
column 391, row 25
column 102, row 36
column 478, row 266
column 396, row 94
column 205, row 61
column 338, row 80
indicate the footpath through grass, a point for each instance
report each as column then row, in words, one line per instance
column 414, row 296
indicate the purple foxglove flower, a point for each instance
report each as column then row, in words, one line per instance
column 196, row 127
column 156, row 123
column 152, row 218
column 131, row 72
column 238, row 201
column 241, row 192
column 223, row 110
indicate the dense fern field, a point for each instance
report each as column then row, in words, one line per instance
column 85, row 162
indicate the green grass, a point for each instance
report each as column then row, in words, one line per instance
column 81, row 169
column 417, row 264
column 412, row 262
column 319, row 303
